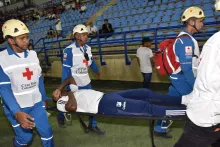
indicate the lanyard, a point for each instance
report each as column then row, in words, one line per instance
column 84, row 52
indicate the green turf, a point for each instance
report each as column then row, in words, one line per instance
column 119, row 133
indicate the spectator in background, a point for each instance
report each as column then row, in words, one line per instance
column 50, row 33
column 82, row 9
column 107, row 27
column 145, row 60
column 74, row 5
column 58, row 26
column 30, row 46
column 92, row 29
column 63, row 3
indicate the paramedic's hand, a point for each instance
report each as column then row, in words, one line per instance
column 25, row 120
column 46, row 105
column 56, row 94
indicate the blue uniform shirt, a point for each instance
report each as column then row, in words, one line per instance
column 184, row 48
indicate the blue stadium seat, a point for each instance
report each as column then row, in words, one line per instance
column 153, row 26
column 137, row 35
column 136, row 17
column 143, row 16
column 171, row 34
column 209, row 13
column 174, row 23
column 163, row 7
column 129, row 18
column 165, row 1
column 150, row 3
column 206, row 1
column 141, row 10
column 139, row 22
column 158, row 2
column 168, row 12
column 179, row 4
column 115, row 14
column 155, row 8
column 160, row 34
column 143, row 27
column 134, row 28
column 156, row 19
column 188, row 3
column 217, row 13
column 133, row 11
column 210, row 19
column 207, row 6
column 175, row 17
column 170, row 6
column 148, row 35
column 163, row 25
column 127, row 12
column 211, row 30
column 160, row 13
column 117, row 30
column 125, row 29
column 197, row 2
column 152, row 15
column 148, row 20
column 166, row 18
column 147, row 9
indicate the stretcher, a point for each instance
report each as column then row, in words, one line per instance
column 172, row 115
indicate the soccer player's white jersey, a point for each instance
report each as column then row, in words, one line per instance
column 87, row 101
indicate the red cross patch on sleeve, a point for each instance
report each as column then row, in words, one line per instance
column 64, row 56
column 188, row 51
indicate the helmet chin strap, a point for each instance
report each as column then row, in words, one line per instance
column 18, row 45
column 194, row 25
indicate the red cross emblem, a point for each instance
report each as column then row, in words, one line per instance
column 27, row 74
column 86, row 62
column 188, row 48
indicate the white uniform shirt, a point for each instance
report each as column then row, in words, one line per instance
column 203, row 104
column 58, row 26
column 87, row 101
column 92, row 29
column 144, row 54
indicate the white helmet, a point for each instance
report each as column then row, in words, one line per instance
column 192, row 12
column 80, row 28
column 14, row 28
column 217, row 5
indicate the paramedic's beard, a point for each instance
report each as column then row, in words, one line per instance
column 81, row 42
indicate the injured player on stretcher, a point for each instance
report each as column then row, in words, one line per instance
column 141, row 101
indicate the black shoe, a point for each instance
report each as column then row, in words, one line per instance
column 96, row 130
column 163, row 134
column 61, row 122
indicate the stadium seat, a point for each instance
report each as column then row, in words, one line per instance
column 210, row 19
column 209, row 13
column 155, row 8
column 179, row 4
column 166, row 18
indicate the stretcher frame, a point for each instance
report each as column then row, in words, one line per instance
column 151, row 119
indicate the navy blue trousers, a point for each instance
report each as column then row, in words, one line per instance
column 137, row 102
column 24, row 136
column 147, row 79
